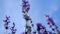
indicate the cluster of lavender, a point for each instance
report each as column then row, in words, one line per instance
column 52, row 24
column 6, row 25
column 7, row 21
column 25, row 9
column 13, row 29
column 40, row 28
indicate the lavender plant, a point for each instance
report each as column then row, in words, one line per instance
column 51, row 23
column 7, row 21
column 13, row 29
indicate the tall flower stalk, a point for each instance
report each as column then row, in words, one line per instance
column 25, row 9
column 52, row 24
column 6, row 24
column 13, row 29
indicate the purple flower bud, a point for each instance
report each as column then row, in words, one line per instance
column 39, row 26
column 7, row 17
column 51, row 21
column 13, row 29
column 25, row 6
column 6, row 22
column 26, row 17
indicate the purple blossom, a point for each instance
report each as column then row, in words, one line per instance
column 50, row 20
column 39, row 26
column 25, row 6
column 13, row 29
column 26, row 17
column 7, row 21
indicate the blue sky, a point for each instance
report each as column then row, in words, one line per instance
column 37, row 12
